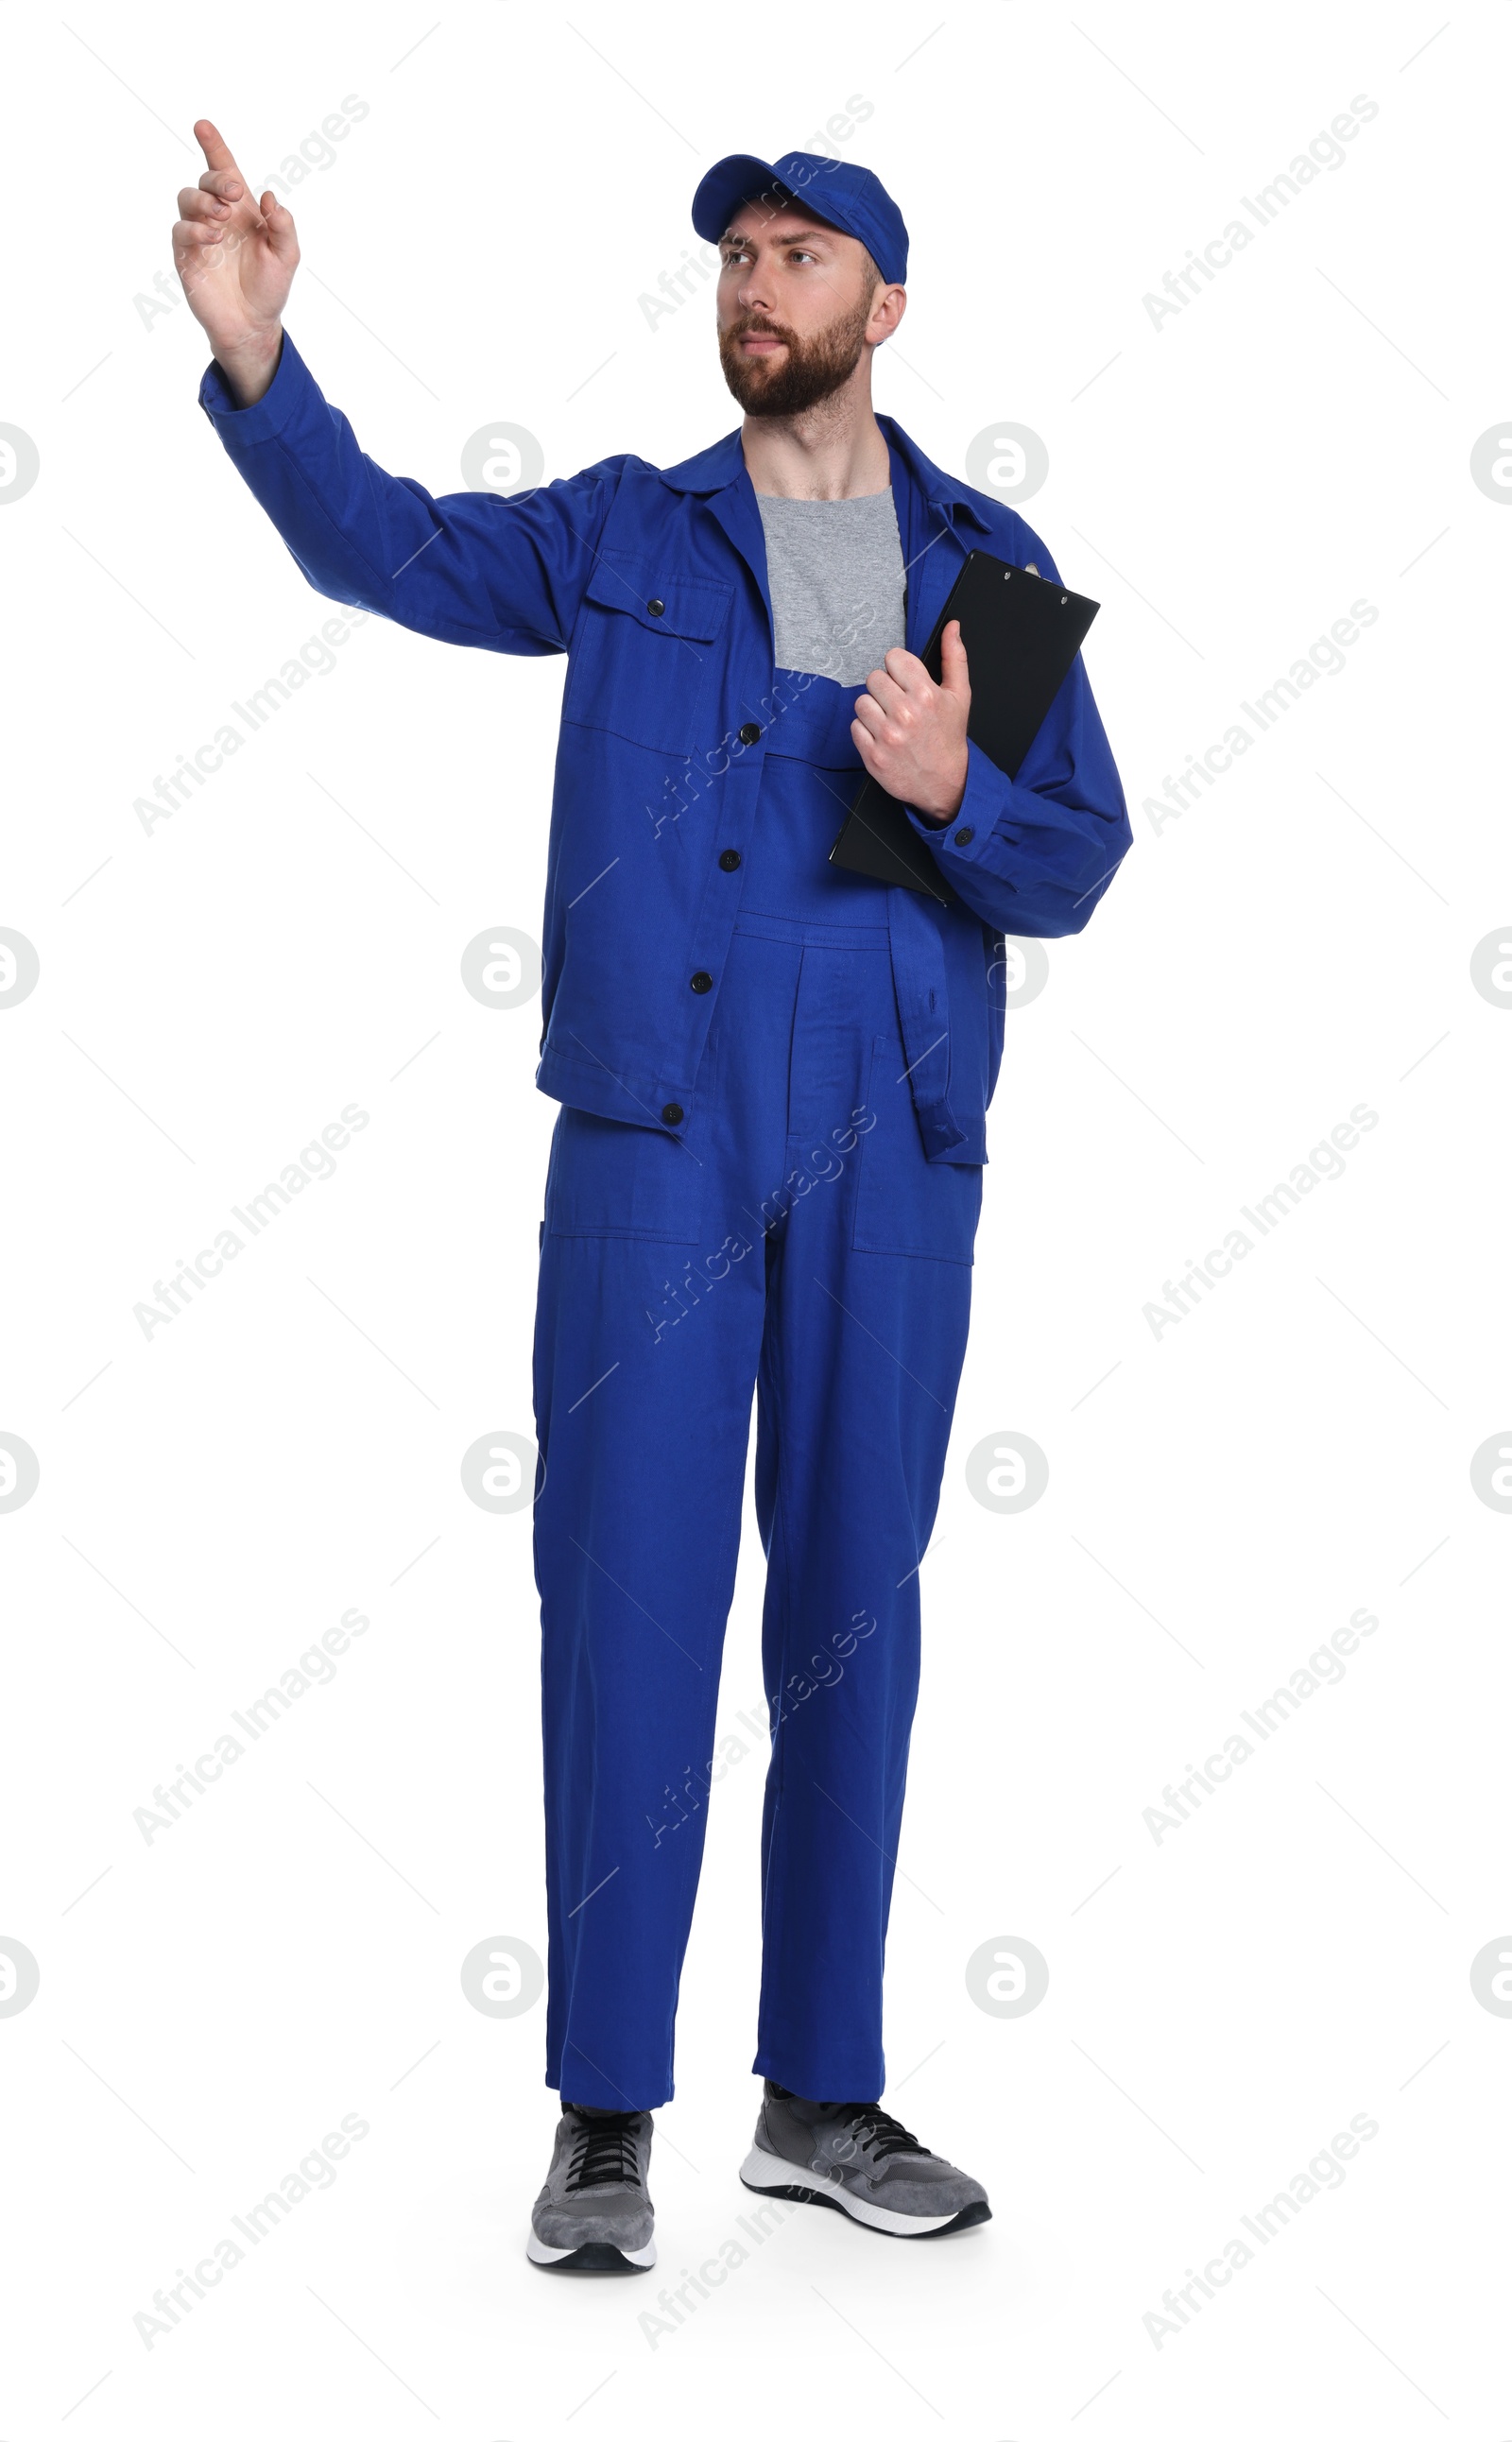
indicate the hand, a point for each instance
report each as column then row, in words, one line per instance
column 236, row 259
column 911, row 733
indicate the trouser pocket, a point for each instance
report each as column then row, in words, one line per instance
column 906, row 1204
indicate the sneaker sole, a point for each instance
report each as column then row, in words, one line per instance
column 595, row 2255
column 768, row 2175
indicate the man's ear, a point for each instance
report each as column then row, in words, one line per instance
column 891, row 301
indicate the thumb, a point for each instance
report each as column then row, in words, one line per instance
column 954, row 677
column 278, row 222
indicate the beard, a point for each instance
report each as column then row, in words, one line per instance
column 810, row 369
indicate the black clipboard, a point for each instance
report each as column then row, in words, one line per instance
column 1022, row 634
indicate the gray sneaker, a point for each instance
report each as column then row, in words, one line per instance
column 857, row 2157
column 593, row 2215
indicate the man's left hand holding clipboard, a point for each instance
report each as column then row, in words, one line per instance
column 911, row 733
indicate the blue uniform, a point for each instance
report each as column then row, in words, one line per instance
column 767, row 1172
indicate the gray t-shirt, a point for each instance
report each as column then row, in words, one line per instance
column 836, row 574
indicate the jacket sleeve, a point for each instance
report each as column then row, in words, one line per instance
column 1033, row 856
column 470, row 568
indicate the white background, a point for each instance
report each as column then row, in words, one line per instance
column 1298, row 1448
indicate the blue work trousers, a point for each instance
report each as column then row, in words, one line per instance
column 794, row 1241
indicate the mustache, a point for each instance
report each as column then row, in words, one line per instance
column 757, row 326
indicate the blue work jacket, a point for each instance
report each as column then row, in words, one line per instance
column 653, row 581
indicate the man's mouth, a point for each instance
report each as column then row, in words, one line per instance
column 760, row 343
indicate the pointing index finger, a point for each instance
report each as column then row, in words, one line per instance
column 218, row 153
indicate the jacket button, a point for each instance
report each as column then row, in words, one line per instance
column 729, row 859
column 965, row 836
column 656, row 606
column 749, row 732
column 702, row 982
column 671, row 1113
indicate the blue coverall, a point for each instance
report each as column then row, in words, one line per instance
column 766, row 1174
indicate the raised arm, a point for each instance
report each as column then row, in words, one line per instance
column 470, row 568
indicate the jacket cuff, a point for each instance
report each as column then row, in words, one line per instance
column 961, row 840
column 241, row 427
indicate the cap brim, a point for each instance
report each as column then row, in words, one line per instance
column 735, row 180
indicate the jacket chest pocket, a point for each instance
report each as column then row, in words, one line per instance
column 646, row 655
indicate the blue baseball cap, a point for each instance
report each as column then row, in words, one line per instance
column 840, row 193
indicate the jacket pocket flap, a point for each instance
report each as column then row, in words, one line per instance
column 692, row 607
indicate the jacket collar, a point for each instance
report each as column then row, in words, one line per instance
column 724, row 463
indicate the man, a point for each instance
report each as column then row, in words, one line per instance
column 767, row 1166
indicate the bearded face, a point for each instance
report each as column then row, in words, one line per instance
column 788, row 380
